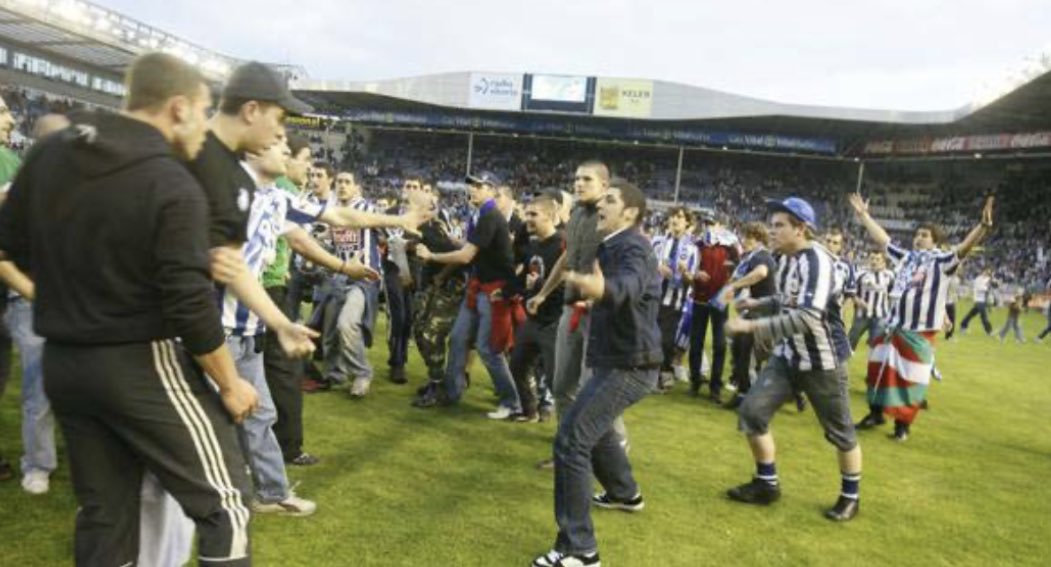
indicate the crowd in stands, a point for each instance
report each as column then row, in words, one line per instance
column 900, row 194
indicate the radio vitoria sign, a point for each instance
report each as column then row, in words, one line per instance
column 495, row 91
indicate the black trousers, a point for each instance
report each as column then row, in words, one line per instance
column 129, row 408
column 533, row 341
column 743, row 363
column 980, row 309
column 668, row 318
column 702, row 313
column 5, row 344
column 282, row 377
column 399, row 311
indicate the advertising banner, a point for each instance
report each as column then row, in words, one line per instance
column 495, row 91
column 627, row 98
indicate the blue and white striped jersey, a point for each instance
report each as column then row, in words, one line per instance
column 809, row 290
column 273, row 213
column 349, row 244
column 874, row 289
column 921, row 287
column 670, row 251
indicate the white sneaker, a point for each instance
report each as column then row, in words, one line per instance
column 36, row 482
column 360, row 387
column 681, row 373
column 291, row 506
column 501, row 412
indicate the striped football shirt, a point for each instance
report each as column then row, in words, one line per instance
column 273, row 213
column 670, row 251
column 873, row 288
column 921, row 287
column 808, row 332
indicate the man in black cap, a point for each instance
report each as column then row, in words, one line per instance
column 484, row 313
column 254, row 104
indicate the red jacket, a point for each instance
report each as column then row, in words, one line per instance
column 718, row 261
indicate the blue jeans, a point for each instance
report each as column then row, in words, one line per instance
column 478, row 323
column 861, row 325
column 258, row 442
column 587, row 444
column 980, row 309
column 349, row 313
column 38, row 423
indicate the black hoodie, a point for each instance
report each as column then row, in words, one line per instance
column 113, row 230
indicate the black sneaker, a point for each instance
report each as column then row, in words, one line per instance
column 6, row 472
column 871, row 420
column 901, row 432
column 757, row 491
column 397, row 375
column 523, row 417
column 734, row 402
column 558, row 559
column 304, row 460
column 606, row 501
column 800, row 403
column 844, row 510
column 547, row 413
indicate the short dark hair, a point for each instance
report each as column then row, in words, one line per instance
column 681, row 210
column 834, row 231
column 599, row 166
column 297, row 143
column 632, row 197
column 756, row 231
column 545, row 203
column 936, row 232
column 326, row 167
column 155, row 77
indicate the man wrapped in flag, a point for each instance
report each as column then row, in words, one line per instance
column 901, row 360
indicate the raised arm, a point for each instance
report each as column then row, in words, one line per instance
column 861, row 210
column 979, row 232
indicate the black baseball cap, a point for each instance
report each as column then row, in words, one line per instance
column 255, row 81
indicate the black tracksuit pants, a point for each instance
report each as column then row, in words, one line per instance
column 283, row 379
column 127, row 408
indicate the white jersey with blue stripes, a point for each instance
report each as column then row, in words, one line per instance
column 273, row 213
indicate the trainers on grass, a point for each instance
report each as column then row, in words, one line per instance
column 606, row 501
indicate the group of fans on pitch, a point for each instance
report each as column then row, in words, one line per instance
column 159, row 260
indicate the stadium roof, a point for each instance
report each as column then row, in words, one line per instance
column 1023, row 109
column 96, row 36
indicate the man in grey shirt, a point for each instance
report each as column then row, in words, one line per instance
column 590, row 184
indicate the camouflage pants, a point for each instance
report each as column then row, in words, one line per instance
column 436, row 310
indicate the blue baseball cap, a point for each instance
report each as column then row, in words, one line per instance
column 482, row 178
column 796, row 207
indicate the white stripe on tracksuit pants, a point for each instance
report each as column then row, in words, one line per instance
column 131, row 407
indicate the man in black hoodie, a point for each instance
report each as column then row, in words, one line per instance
column 624, row 355
column 112, row 230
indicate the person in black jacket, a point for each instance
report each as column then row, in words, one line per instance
column 624, row 355
column 112, row 229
